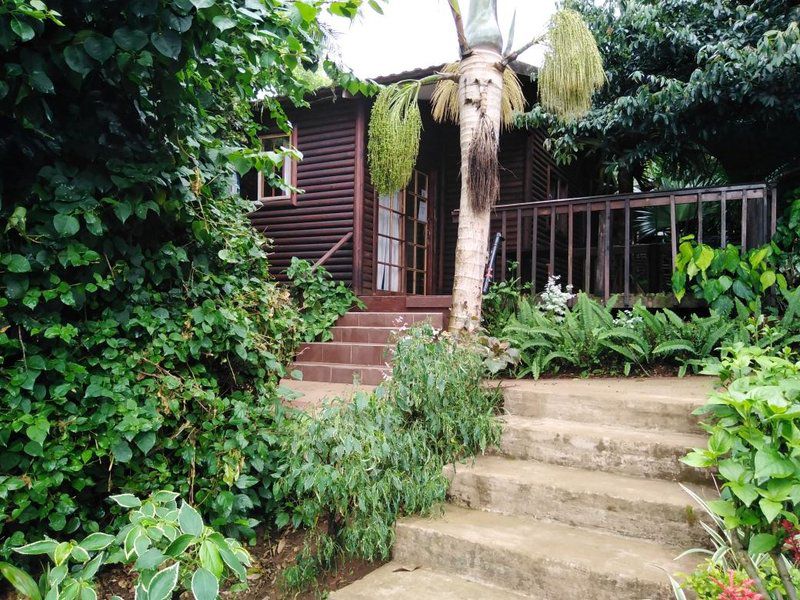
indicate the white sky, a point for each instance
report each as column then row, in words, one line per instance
column 420, row 33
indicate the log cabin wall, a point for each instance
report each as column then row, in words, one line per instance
column 312, row 223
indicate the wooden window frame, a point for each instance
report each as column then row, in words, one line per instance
column 289, row 170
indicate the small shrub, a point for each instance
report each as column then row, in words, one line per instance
column 352, row 469
column 322, row 300
column 753, row 447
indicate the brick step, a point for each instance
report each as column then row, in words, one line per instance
column 363, row 335
column 405, row 582
column 339, row 373
column 389, row 319
column 659, row 403
column 649, row 509
column 548, row 561
column 346, row 353
column 635, row 452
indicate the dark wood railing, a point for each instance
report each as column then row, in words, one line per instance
column 626, row 243
column 342, row 241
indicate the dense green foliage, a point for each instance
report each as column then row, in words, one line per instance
column 167, row 545
column 592, row 338
column 753, row 447
column 754, row 442
column 688, row 79
column 321, row 299
column 724, row 276
column 357, row 465
column 140, row 335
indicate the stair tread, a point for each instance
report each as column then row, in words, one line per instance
column 630, row 434
column 584, row 481
column 395, row 581
column 588, row 549
column 686, row 391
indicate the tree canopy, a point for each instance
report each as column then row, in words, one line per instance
column 688, row 79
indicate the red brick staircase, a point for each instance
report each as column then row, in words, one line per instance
column 360, row 347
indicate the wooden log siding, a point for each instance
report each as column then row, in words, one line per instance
column 556, row 244
column 326, row 135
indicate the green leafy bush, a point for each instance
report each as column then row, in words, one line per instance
column 169, row 547
column 352, row 469
column 723, row 276
column 141, row 337
column 321, row 299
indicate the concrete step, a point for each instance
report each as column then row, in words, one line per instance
column 339, row 373
column 395, row 581
column 363, row 335
column 660, row 403
column 344, row 353
column 389, row 319
column 647, row 509
column 548, row 561
column 635, row 452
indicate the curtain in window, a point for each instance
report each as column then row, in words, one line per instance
column 389, row 223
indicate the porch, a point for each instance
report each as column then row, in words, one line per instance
column 625, row 244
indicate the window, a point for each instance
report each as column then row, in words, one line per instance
column 266, row 192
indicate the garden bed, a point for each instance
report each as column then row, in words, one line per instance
column 272, row 554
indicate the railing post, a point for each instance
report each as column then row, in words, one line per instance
column 551, row 269
column 627, row 251
column 699, row 218
column 569, row 244
column 519, row 245
column 723, row 219
column 673, row 229
column 534, row 249
column 503, row 252
column 744, row 220
column 607, row 250
column 587, row 271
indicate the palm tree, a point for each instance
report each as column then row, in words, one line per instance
column 482, row 94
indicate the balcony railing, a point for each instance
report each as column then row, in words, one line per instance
column 626, row 243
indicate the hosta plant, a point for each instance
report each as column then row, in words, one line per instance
column 166, row 543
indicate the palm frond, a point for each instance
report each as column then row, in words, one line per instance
column 444, row 101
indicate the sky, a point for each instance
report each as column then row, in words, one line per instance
column 420, row 33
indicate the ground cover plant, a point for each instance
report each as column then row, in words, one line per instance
column 354, row 467
column 558, row 332
column 141, row 336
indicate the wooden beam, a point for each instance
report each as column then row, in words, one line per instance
column 358, row 200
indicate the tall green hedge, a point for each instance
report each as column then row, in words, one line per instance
column 141, row 338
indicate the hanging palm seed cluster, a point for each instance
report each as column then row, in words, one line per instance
column 573, row 68
column 395, row 127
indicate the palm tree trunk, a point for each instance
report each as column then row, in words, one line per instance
column 480, row 93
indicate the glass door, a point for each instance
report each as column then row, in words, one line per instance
column 404, row 238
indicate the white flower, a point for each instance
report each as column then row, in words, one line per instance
column 553, row 300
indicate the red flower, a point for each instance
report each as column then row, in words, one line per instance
column 791, row 542
column 734, row 591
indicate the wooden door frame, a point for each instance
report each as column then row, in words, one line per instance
column 430, row 243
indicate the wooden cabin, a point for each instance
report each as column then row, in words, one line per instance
column 399, row 251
